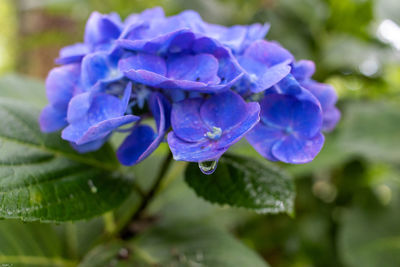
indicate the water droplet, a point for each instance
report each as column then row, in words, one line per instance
column 208, row 167
column 123, row 253
column 92, row 187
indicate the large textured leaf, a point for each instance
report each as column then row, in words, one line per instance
column 23, row 88
column 31, row 244
column 43, row 178
column 179, row 244
column 244, row 182
column 372, row 129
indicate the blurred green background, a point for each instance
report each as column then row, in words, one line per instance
column 348, row 199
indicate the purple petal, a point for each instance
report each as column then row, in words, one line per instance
column 200, row 67
column 89, row 147
column 269, row 53
column 296, row 150
column 138, row 145
column 101, row 28
column 100, row 67
column 72, row 53
column 255, row 32
column 141, row 61
column 325, row 93
column 288, row 85
column 262, row 137
column 193, row 152
column 146, row 15
column 233, row 135
column 303, row 69
column 260, row 77
column 290, row 114
column 186, row 121
column 102, row 129
column 331, row 117
column 159, row 42
column 52, row 119
column 143, row 141
column 161, row 110
column 224, row 110
column 61, row 83
column 79, row 106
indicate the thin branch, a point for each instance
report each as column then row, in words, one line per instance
column 126, row 232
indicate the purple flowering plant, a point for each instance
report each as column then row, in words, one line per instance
column 200, row 88
column 206, row 86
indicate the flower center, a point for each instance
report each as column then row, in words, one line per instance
column 288, row 130
column 215, row 134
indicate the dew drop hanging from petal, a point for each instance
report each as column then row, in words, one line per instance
column 208, row 167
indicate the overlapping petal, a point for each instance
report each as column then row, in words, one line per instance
column 94, row 115
column 181, row 60
column 143, row 140
column 205, row 129
column 61, row 85
column 289, row 129
column 266, row 63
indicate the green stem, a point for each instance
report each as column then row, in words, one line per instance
column 126, row 232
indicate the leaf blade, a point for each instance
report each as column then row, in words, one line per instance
column 245, row 183
column 43, row 178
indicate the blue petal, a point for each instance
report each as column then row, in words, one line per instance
column 95, row 115
column 325, row 93
column 255, row 32
column 143, row 141
column 186, row 121
column 290, row 114
column 159, row 44
column 89, row 147
column 61, row 84
column 102, row 28
column 233, row 135
column 52, row 119
column 224, row 110
column 330, row 118
column 232, row 37
column 296, row 150
column 262, row 137
column 146, row 15
column 200, row 67
column 327, row 97
column 269, row 53
column 138, row 145
column 289, row 85
column 303, row 69
column 102, row 129
column 72, row 53
column 141, row 61
column 259, row 76
column 79, row 106
column 100, row 67
column 161, row 110
column 193, row 152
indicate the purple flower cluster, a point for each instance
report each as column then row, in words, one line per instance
column 204, row 86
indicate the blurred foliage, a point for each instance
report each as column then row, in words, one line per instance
column 8, row 34
column 347, row 199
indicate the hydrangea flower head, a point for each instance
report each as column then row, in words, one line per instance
column 200, row 87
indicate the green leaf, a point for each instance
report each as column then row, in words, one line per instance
column 181, row 244
column 43, row 178
column 23, row 88
column 372, row 129
column 31, row 244
column 243, row 182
